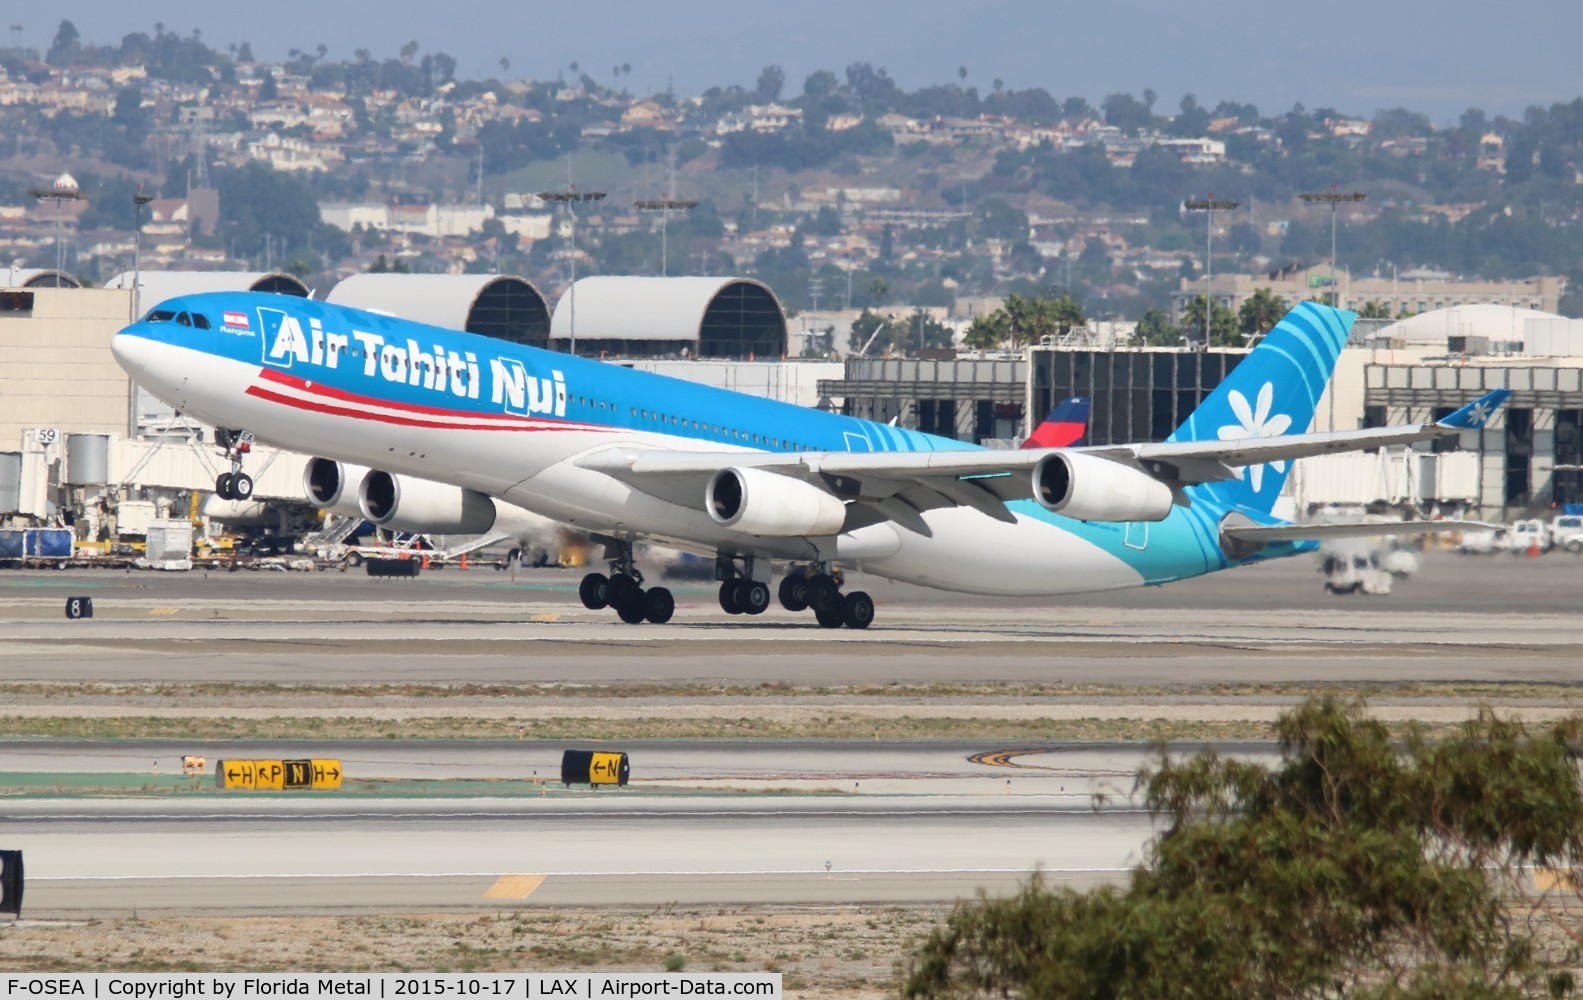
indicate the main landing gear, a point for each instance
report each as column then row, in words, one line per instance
column 236, row 484
column 623, row 590
column 816, row 587
column 819, row 587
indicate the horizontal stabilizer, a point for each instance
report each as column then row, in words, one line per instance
column 1265, row 534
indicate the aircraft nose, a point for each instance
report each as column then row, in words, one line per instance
column 142, row 358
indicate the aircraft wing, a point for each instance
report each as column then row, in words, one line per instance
column 897, row 486
column 1189, row 462
column 1264, row 534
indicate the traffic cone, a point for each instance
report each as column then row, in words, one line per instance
column 1533, row 549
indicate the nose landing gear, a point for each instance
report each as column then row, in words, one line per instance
column 236, row 484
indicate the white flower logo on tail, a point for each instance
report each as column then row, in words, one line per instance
column 1256, row 423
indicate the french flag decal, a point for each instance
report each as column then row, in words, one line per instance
column 236, row 319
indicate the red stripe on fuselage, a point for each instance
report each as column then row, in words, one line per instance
column 272, row 396
column 508, row 421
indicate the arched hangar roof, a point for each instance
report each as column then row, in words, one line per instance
column 710, row 317
column 157, row 286
column 502, row 306
column 1491, row 320
column 36, row 277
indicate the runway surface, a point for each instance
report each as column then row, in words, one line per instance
column 701, row 823
column 727, row 822
column 1496, row 619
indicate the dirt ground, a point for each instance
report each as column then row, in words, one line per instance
column 846, row 952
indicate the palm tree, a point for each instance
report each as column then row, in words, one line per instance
column 986, row 333
column 1068, row 313
column 1223, row 330
column 1019, row 318
column 1258, row 314
column 1374, row 309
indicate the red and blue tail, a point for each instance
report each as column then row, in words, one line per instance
column 1065, row 427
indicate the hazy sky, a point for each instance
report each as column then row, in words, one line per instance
column 1354, row 55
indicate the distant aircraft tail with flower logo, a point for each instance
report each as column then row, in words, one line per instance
column 1272, row 392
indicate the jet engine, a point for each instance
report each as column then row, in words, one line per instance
column 332, row 486
column 1090, row 488
column 422, row 506
column 763, row 503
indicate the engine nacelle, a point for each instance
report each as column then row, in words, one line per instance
column 332, row 486
column 763, row 503
column 1090, row 488
column 422, row 506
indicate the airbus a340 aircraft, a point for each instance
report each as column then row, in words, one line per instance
column 453, row 424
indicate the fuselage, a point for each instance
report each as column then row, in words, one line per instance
column 511, row 421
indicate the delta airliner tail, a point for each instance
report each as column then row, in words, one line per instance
column 1065, row 427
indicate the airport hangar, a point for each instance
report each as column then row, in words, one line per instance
column 732, row 333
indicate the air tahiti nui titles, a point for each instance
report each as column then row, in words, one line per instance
column 512, row 387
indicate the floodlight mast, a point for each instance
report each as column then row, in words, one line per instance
column 139, row 199
column 571, row 199
column 664, row 207
column 1209, row 206
column 1333, row 198
column 63, row 190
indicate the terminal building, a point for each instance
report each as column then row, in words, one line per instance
column 1408, row 293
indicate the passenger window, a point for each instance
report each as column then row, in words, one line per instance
column 200, row 321
column 184, row 319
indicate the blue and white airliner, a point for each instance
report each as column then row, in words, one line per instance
column 454, row 432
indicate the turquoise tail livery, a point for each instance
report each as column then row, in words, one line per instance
column 1273, row 392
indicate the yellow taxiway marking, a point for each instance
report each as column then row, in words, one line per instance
column 162, row 611
column 514, row 886
column 551, row 616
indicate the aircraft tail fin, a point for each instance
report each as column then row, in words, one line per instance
column 1065, row 427
column 1272, row 391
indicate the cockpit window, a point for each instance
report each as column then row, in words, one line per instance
column 200, row 321
column 184, row 319
column 161, row 316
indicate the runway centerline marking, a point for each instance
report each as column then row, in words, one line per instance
column 514, row 886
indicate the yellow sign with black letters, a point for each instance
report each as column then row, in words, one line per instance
column 321, row 774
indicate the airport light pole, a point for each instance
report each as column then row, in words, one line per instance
column 571, row 199
column 63, row 190
column 1333, row 198
column 664, row 207
column 139, row 199
column 1209, row 206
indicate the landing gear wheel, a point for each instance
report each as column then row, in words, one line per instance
column 659, row 605
column 828, row 619
column 752, row 597
column 857, row 610
column 222, row 486
column 620, row 590
column 823, row 595
column 631, row 610
column 728, row 598
column 594, row 591
column 241, row 486
column 794, row 592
